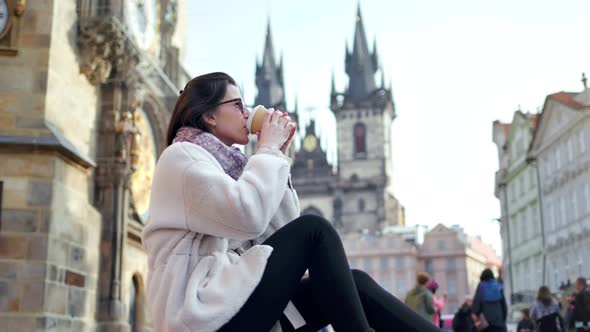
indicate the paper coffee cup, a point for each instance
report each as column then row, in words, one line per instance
column 256, row 118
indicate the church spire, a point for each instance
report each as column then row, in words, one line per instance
column 361, row 65
column 269, row 76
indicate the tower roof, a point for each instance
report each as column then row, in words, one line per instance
column 269, row 76
column 361, row 65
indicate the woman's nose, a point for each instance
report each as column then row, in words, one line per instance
column 246, row 113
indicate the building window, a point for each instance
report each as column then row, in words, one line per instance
column 401, row 286
column 399, row 263
column 136, row 309
column 360, row 139
column 451, row 264
column 368, row 264
column 428, row 266
column 452, row 286
column 361, row 205
column 384, row 263
column 441, row 244
column 133, row 305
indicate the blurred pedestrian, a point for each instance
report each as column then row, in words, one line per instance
column 568, row 318
column 420, row 299
column 489, row 305
column 525, row 324
column 463, row 322
column 581, row 312
column 546, row 313
column 439, row 302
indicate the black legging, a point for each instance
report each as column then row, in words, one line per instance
column 333, row 294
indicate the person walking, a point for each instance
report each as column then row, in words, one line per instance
column 419, row 298
column 227, row 248
column 581, row 314
column 489, row 305
column 546, row 312
column 462, row 321
column 525, row 324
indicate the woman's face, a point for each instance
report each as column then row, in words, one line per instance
column 230, row 118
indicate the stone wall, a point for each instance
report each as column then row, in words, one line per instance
column 23, row 78
column 49, row 234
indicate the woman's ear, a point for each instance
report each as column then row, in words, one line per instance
column 210, row 120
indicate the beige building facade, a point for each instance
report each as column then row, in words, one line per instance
column 86, row 88
column 453, row 258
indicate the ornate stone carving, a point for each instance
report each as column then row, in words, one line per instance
column 105, row 52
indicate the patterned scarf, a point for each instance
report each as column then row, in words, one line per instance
column 232, row 160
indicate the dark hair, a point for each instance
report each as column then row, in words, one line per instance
column 582, row 281
column 422, row 278
column 526, row 312
column 486, row 275
column 199, row 97
column 544, row 295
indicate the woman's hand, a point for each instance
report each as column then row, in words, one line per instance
column 277, row 130
column 288, row 141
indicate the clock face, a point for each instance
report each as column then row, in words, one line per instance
column 141, row 21
column 3, row 17
column 310, row 143
column 141, row 179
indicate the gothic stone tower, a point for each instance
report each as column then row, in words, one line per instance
column 364, row 114
column 270, row 87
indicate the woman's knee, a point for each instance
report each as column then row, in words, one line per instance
column 361, row 277
column 315, row 222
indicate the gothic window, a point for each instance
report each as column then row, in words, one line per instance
column 361, row 204
column 136, row 305
column 132, row 305
column 360, row 139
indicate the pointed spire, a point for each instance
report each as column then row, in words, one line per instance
column 269, row 76
column 382, row 79
column 361, row 65
column 375, row 57
column 584, row 81
column 269, row 53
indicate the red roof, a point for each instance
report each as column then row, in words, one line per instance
column 567, row 99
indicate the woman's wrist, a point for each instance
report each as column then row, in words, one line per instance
column 264, row 149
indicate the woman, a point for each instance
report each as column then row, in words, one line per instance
column 226, row 245
column 546, row 312
column 439, row 303
column 489, row 304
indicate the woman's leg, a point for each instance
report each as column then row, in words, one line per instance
column 307, row 243
column 383, row 310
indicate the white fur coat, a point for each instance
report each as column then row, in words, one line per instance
column 198, row 216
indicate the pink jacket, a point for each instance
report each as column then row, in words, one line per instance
column 439, row 304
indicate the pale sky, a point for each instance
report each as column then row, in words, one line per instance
column 455, row 65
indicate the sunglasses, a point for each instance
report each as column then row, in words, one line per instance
column 237, row 102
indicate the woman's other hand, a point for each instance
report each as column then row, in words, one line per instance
column 277, row 130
